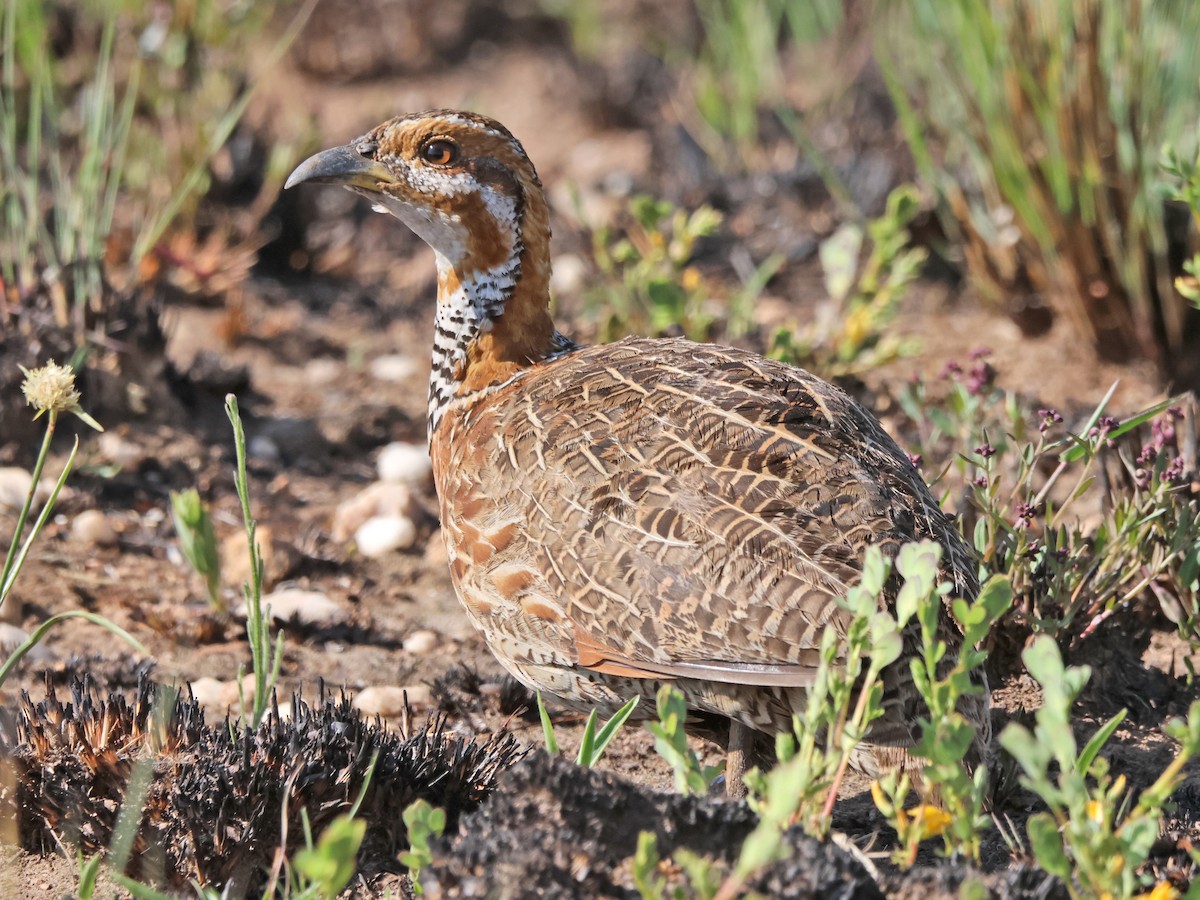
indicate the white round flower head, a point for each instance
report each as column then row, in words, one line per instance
column 50, row 388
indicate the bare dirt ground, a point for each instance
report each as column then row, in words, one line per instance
column 339, row 289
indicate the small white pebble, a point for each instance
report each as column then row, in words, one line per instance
column 303, row 607
column 393, row 367
column 381, row 535
column 92, row 527
column 213, row 694
column 382, row 498
column 320, row 372
column 387, row 701
column 406, row 463
column 421, row 642
column 11, row 637
column 419, row 695
column 117, row 450
column 14, row 486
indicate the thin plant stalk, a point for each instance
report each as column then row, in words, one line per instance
column 43, row 517
column 266, row 661
column 10, row 558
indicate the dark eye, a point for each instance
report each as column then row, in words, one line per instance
column 440, row 152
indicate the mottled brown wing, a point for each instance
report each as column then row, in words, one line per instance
column 673, row 509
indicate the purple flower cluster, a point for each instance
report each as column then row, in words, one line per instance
column 1050, row 418
column 1104, row 426
column 1162, row 437
column 980, row 377
column 1025, row 513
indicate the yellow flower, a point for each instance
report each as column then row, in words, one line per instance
column 881, row 802
column 929, row 820
column 1095, row 811
column 857, row 328
column 1161, row 891
column 690, row 279
column 932, row 820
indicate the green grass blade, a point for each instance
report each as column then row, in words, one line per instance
column 89, row 871
column 1098, row 740
column 1076, row 453
column 547, row 727
column 138, row 890
column 585, row 756
column 606, row 734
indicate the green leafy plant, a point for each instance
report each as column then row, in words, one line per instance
column 89, row 872
column 649, row 883
column 1032, row 491
column 265, row 659
column 1092, row 836
column 328, row 866
column 946, row 736
column 422, row 822
column 647, row 284
column 198, row 541
column 1145, row 538
column 953, row 797
column 851, row 331
column 845, row 698
column 701, row 874
column 593, row 743
column 670, row 742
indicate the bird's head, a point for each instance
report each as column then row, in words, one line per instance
column 463, row 183
column 460, row 181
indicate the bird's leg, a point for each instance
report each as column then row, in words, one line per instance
column 740, row 741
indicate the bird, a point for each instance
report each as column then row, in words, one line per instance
column 652, row 511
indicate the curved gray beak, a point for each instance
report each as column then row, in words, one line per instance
column 344, row 166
